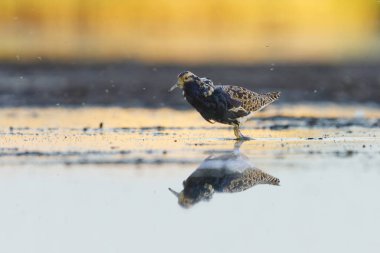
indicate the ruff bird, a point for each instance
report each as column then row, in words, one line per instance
column 227, row 173
column 226, row 104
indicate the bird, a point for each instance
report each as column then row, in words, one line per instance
column 226, row 104
column 230, row 172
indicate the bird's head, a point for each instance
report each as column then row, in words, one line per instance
column 189, row 197
column 182, row 199
column 183, row 78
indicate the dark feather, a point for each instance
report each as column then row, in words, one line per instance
column 214, row 107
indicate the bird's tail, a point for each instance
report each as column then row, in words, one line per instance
column 272, row 96
column 268, row 179
column 267, row 98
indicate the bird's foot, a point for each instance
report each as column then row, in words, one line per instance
column 239, row 136
column 244, row 138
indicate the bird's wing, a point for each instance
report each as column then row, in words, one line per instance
column 207, row 81
column 250, row 101
column 237, row 111
column 249, row 178
column 206, row 85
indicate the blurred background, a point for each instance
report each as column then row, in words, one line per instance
column 97, row 52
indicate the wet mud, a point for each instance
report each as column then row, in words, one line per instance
column 101, row 136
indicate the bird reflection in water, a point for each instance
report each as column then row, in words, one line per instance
column 231, row 172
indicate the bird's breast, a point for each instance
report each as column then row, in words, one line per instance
column 213, row 107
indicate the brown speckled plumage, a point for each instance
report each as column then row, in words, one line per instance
column 251, row 101
column 249, row 178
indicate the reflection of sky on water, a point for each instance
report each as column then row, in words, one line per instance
column 322, row 205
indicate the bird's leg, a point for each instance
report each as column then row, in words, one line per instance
column 238, row 134
column 237, row 146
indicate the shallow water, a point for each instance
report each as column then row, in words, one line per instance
column 67, row 185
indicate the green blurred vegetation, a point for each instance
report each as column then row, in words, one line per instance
column 193, row 31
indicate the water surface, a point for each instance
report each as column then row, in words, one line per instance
column 71, row 184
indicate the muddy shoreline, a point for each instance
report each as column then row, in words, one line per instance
column 141, row 85
column 144, row 137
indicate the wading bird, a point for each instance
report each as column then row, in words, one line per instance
column 228, row 173
column 226, row 104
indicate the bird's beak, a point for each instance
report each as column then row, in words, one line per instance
column 173, row 87
column 174, row 192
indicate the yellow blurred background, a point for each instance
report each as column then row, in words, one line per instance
column 190, row 31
